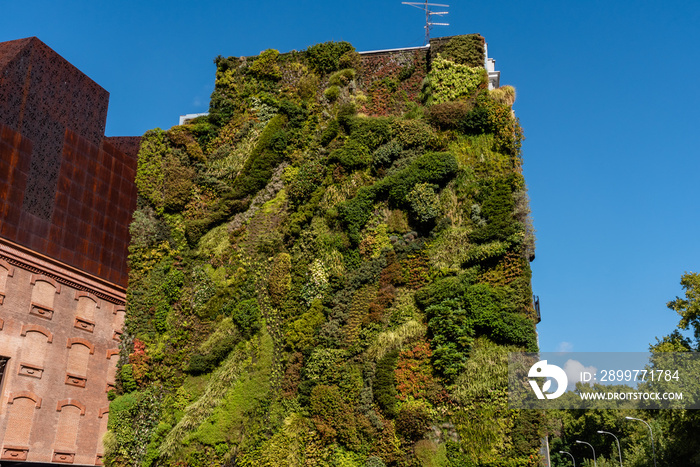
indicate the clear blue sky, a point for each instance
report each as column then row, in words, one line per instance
column 607, row 95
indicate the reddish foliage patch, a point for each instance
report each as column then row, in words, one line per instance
column 391, row 80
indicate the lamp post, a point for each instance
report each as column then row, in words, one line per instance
column 595, row 462
column 572, row 457
column 653, row 450
column 618, row 443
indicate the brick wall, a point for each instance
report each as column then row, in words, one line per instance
column 54, row 395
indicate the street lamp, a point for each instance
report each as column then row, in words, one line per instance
column 595, row 462
column 618, row 443
column 572, row 457
column 653, row 450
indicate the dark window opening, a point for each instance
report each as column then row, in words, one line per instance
column 3, row 365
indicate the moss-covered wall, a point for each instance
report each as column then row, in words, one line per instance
column 330, row 269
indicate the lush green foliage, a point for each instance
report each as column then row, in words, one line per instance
column 133, row 418
column 342, row 77
column 320, row 269
column 384, row 387
column 689, row 307
column 449, row 115
column 428, row 168
column 424, row 202
column 265, row 66
column 326, row 57
column 497, row 209
column 353, row 155
column 372, row 132
column 332, row 93
column 465, row 50
column 449, row 81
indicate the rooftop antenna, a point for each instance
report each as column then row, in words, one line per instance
column 425, row 6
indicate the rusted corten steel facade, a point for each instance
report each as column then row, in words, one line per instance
column 67, row 194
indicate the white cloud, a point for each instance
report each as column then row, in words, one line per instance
column 565, row 347
column 573, row 370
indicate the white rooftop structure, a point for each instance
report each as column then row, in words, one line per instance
column 490, row 65
column 186, row 118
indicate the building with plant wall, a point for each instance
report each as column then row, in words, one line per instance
column 330, row 268
column 67, row 195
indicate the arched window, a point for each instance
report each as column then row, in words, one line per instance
column 85, row 312
column 20, row 417
column 67, row 430
column 43, row 294
column 5, row 271
column 36, row 346
column 78, row 358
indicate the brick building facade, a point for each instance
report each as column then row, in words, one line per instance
column 66, row 198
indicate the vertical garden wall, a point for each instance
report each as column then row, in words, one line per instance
column 330, row 268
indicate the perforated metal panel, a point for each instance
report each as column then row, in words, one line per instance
column 65, row 190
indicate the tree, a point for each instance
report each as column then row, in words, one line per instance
column 689, row 307
column 683, row 445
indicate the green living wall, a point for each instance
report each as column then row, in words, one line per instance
column 330, row 268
